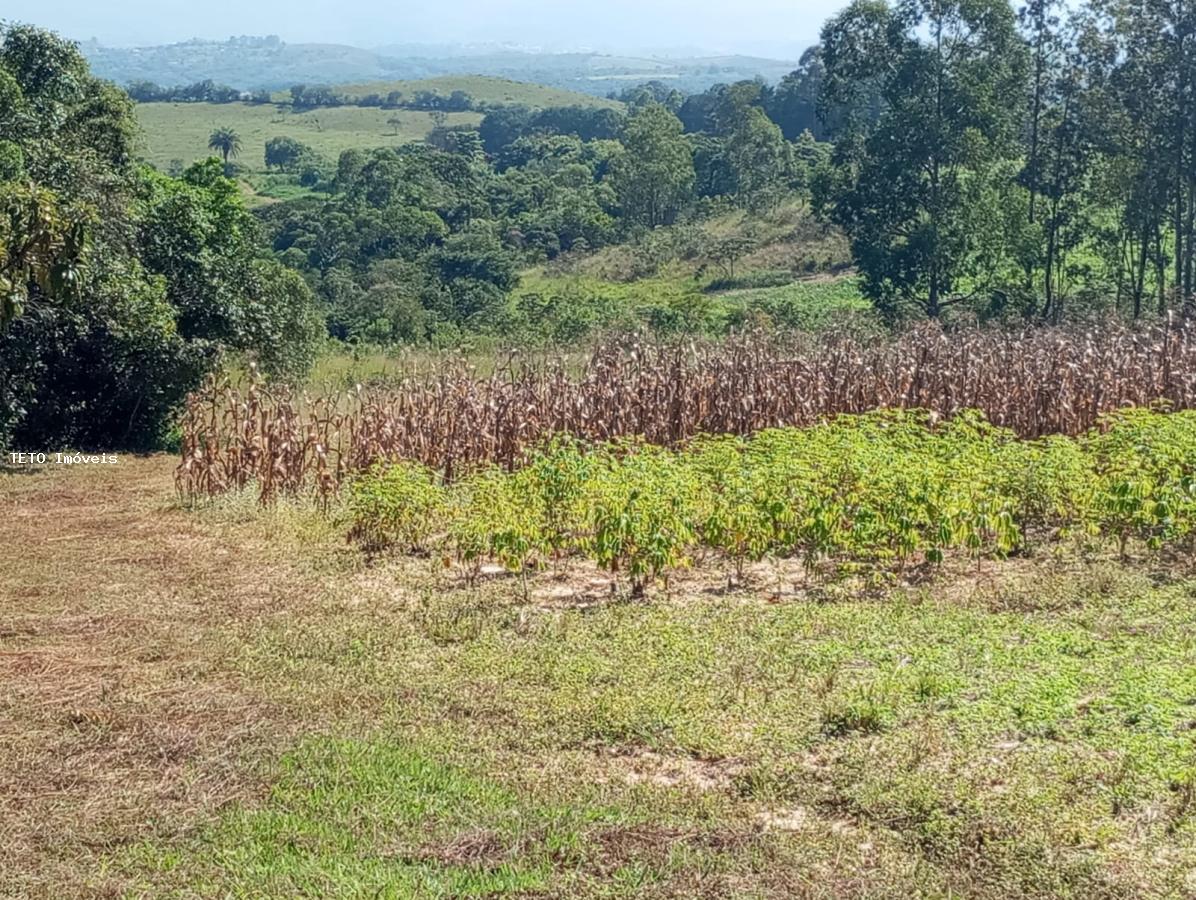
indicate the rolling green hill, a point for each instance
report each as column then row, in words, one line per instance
column 484, row 89
column 179, row 131
column 245, row 63
column 249, row 63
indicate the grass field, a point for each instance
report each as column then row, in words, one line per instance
column 794, row 275
column 180, row 130
column 231, row 702
column 483, row 89
column 674, row 300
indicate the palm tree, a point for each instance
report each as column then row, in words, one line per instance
column 226, row 142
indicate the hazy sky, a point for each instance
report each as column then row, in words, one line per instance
column 756, row 26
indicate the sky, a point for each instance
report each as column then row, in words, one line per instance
column 765, row 27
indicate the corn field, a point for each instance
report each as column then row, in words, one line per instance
column 1034, row 382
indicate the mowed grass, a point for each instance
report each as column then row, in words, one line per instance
column 180, row 131
column 1019, row 729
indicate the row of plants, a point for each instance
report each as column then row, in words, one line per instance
column 459, row 412
column 881, row 492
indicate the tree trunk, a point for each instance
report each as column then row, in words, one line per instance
column 1140, row 283
column 1160, row 265
column 1035, row 113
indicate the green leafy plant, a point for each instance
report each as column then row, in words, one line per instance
column 870, row 494
column 641, row 504
column 395, row 505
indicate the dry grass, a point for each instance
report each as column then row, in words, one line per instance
column 226, row 702
column 120, row 711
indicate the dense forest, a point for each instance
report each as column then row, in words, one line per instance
column 981, row 161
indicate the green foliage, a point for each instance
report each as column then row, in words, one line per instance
column 566, row 309
column 395, row 506
column 733, row 513
column 199, row 237
column 40, row 243
column 288, row 154
column 226, row 142
column 654, row 177
column 920, row 187
column 1032, row 165
column 641, row 504
column 877, row 493
column 1145, row 485
column 495, row 516
column 119, row 287
column 760, row 159
column 556, row 477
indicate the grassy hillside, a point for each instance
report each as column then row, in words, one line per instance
column 242, row 708
column 180, row 130
column 245, row 63
column 795, row 275
column 485, row 89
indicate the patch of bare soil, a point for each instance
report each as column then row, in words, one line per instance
column 480, row 847
column 615, row 847
column 638, row 765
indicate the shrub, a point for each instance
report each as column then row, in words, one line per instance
column 873, row 493
column 395, row 505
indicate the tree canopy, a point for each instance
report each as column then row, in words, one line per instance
column 120, row 285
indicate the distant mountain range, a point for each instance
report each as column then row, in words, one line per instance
column 250, row 63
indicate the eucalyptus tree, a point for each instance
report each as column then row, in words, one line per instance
column 921, row 190
column 1066, row 131
column 654, row 177
column 1155, row 42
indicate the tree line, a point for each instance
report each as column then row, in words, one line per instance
column 302, row 96
column 1026, row 161
column 206, row 91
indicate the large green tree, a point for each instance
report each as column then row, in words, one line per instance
column 121, row 286
column 760, row 159
column 654, row 177
column 1154, row 84
column 920, row 190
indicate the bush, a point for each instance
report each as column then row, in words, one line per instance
column 876, row 492
column 395, row 506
